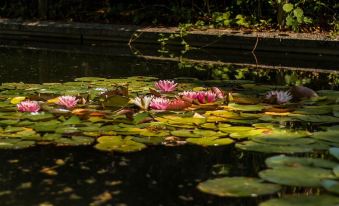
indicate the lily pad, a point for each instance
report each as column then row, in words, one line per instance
column 297, row 176
column 331, row 185
column 282, row 160
column 246, row 108
column 119, row 144
column 210, row 141
column 268, row 148
column 303, row 200
column 334, row 151
column 238, row 187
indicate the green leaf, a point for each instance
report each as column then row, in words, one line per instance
column 303, row 200
column 297, row 176
column 288, row 7
column 298, row 12
column 238, row 187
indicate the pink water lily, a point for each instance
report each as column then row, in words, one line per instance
column 159, row 103
column 219, row 93
column 178, row 104
column 189, row 94
column 67, row 101
column 28, row 106
column 165, row 85
column 206, row 97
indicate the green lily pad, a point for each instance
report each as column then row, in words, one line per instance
column 317, row 118
column 329, row 135
column 38, row 116
column 282, row 160
column 283, row 140
column 210, row 141
column 74, row 141
column 49, row 126
column 118, row 144
column 297, row 176
column 15, row 144
column 246, row 108
column 334, row 151
column 150, row 140
column 238, row 187
column 303, row 200
column 269, row 148
column 331, row 186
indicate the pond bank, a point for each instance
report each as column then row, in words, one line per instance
column 104, row 34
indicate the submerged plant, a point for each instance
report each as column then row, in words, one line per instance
column 67, row 101
column 159, row 103
column 143, row 102
column 278, row 97
column 165, row 85
column 28, row 106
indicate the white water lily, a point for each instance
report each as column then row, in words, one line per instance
column 142, row 102
column 280, row 97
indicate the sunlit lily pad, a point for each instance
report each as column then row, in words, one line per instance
column 303, row 200
column 210, row 141
column 238, row 187
column 15, row 144
column 297, row 176
column 119, row 144
column 246, row 108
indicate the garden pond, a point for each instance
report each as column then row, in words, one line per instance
column 214, row 134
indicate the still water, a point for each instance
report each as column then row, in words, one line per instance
column 158, row 175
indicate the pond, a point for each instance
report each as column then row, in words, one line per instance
column 219, row 144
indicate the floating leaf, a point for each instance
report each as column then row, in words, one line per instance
column 268, row 148
column 238, row 187
column 334, row 151
column 297, row 176
column 282, row 160
column 118, row 144
column 210, row 141
column 303, row 200
column 246, row 108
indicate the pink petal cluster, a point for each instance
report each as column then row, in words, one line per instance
column 178, row 104
column 159, row 103
column 165, row 85
column 202, row 96
column 28, row 106
column 67, row 101
column 219, row 93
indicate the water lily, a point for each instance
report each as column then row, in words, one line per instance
column 28, row 106
column 159, row 103
column 279, row 97
column 219, row 93
column 165, row 85
column 67, row 101
column 143, row 102
column 189, row 94
column 206, row 97
column 178, row 104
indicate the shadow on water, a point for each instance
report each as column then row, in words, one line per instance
column 156, row 176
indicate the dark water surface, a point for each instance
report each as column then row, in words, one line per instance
column 159, row 175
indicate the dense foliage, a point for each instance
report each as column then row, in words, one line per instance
column 292, row 14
